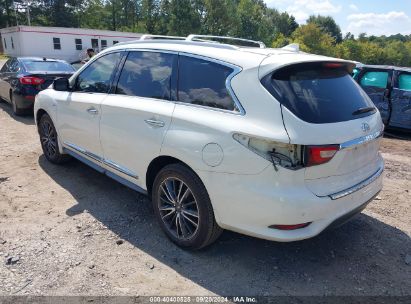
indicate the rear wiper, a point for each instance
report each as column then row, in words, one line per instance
column 363, row 110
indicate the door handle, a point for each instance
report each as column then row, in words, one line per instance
column 92, row 110
column 155, row 123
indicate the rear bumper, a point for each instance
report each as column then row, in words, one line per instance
column 24, row 97
column 249, row 204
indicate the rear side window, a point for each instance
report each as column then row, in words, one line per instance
column 404, row 82
column 318, row 92
column 375, row 79
column 203, row 83
column 147, row 74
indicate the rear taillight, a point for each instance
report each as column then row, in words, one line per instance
column 31, row 80
column 317, row 155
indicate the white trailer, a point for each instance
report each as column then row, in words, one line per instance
column 58, row 42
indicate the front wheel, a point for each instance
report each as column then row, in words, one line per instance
column 49, row 141
column 183, row 208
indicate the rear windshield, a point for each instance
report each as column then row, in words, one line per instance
column 47, row 66
column 318, row 92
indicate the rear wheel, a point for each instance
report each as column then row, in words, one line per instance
column 183, row 208
column 49, row 141
column 16, row 110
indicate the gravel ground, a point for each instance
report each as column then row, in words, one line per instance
column 68, row 230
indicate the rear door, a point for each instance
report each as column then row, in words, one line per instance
column 137, row 113
column 401, row 101
column 377, row 84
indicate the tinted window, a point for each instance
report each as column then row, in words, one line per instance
column 404, row 82
column 147, row 74
column 318, row 94
column 202, row 82
column 97, row 76
column 56, row 43
column 14, row 66
column 375, row 79
column 50, row 66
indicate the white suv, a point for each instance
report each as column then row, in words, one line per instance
column 273, row 143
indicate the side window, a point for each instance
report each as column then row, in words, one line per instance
column 94, row 43
column 147, row 74
column 103, row 44
column 5, row 67
column 56, row 43
column 115, row 42
column 97, row 76
column 14, row 66
column 404, row 82
column 203, row 82
column 375, row 79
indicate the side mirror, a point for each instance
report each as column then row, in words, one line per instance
column 61, row 84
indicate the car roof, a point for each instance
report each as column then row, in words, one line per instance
column 245, row 57
column 386, row 67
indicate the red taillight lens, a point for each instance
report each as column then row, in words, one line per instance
column 333, row 65
column 290, row 227
column 31, row 80
column 317, row 155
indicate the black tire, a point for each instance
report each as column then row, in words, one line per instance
column 16, row 110
column 49, row 141
column 186, row 204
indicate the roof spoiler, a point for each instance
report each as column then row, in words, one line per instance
column 293, row 47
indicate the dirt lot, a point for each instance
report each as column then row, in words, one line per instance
column 68, row 230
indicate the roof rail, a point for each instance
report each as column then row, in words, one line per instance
column 207, row 38
column 153, row 37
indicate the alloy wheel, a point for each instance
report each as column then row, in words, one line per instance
column 178, row 208
column 48, row 139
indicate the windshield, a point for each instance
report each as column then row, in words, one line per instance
column 47, row 66
column 319, row 92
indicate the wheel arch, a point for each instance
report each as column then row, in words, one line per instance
column 159, row 163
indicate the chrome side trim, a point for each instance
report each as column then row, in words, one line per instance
column 110, row 174
column 85, row 152
column 358, row 186
column 361, row 140
column 101, row 160
column 120, row 168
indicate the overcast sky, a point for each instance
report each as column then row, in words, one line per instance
column 374, row 17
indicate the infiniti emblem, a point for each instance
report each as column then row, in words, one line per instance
column 365, row 127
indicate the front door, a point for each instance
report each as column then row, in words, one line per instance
column 136, row 117
column 377, row 84
column 79, row 110
column 401, row 101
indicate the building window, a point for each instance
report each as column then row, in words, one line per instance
column 103, row 44
column 115, row 42
column 5, row 43
column 12, row 43
column 79, row 44
column 94, row 44
column 56, row 43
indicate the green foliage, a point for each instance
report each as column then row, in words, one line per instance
column 312, row 39
column 250, row 19
column 328, row 25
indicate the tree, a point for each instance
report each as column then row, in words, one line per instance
column 182, row 20
column 313, row 40
column 328, row 25
column 218, row 17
